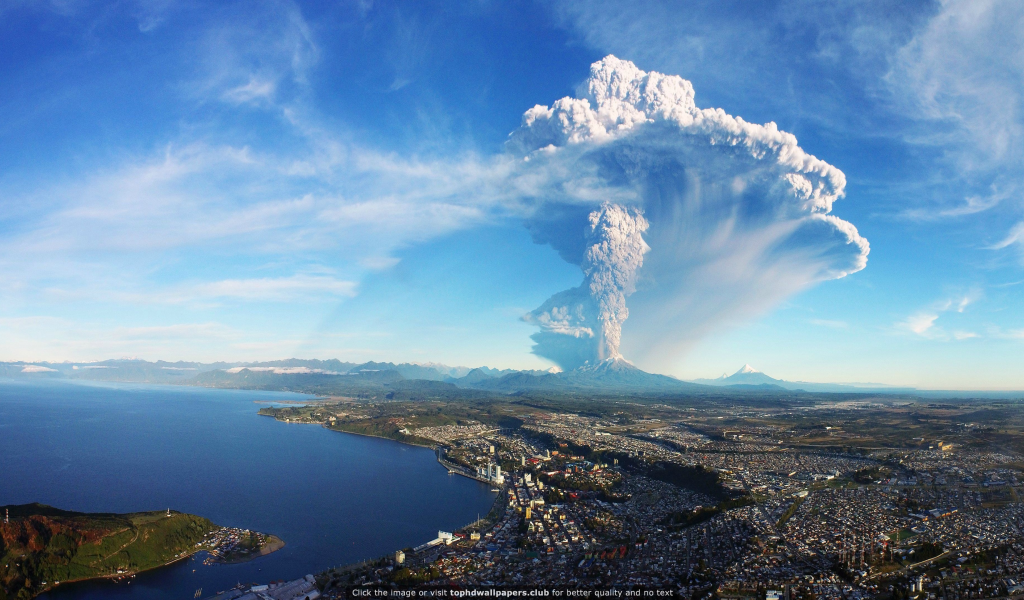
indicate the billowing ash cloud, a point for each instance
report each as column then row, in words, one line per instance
column 584, row 324
column 707, row 217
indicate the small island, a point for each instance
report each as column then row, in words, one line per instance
column 42, row 547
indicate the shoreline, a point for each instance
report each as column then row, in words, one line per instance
column 274, row 544
column 369, row 435
column 116, row 576
column 454, row 469
column 458, row 470
column 498, row 497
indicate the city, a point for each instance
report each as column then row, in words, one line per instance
column 597, row 299
column 730, row 501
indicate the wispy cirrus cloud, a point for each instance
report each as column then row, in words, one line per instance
column 186, row 331
column 1014, row 238
column 299, row 289
column 261, row 51
column 924, row 323
column 45, row 338
column 267, row 288
column 965, row 66
column 944, row 79
column 219, row 197
column 971, row 205
column 831, row 323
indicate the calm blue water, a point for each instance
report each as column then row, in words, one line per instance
column 333, row 498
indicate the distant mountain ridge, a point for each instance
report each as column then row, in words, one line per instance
column 748, row 377
column 361, row 379
column 434, row 380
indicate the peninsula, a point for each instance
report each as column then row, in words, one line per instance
column 42, row 547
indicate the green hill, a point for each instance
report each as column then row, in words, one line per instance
column 42, row 546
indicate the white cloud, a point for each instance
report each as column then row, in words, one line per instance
column 923, row 324
column 283, row 370
column 971, row 205
column 834, row 324
column 1005, row 334
column 283, row 288
column 94, row 236
column 265, row 49
column 379, row 263
column 961, row 76
column 37, row 339
column 295, row 288
column 966, row 66
column 37, row 369
column 187, row 331
column 255, row 89
column 966, row 301
column 1013, row 238
column 718, row 251
column 945, row 77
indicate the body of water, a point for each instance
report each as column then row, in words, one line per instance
column 334, row 498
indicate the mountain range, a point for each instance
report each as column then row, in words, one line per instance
column 337, row 377
column 434, row 380
column 750, row 378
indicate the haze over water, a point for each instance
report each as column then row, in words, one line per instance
column 334, row 498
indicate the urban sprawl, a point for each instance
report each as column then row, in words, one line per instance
column 724, row 503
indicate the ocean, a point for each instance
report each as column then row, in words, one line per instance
column 334, row 498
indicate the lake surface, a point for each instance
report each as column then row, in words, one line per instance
column 334, row 498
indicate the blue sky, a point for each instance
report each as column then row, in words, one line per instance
column 260, row 180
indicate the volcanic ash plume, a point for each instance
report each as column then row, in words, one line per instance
column 736, row 215
column 592, row 314
column 615, row 252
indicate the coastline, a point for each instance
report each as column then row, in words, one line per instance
column 116, row 576
column 273, row 544
column 497, row 503
column 369, row 435
column 454, row 469
column 453, row 494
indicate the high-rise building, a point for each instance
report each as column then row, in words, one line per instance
column 399, row 557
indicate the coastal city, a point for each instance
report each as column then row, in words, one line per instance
column 716, row 502
column 232, row 545
column 491, row 299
